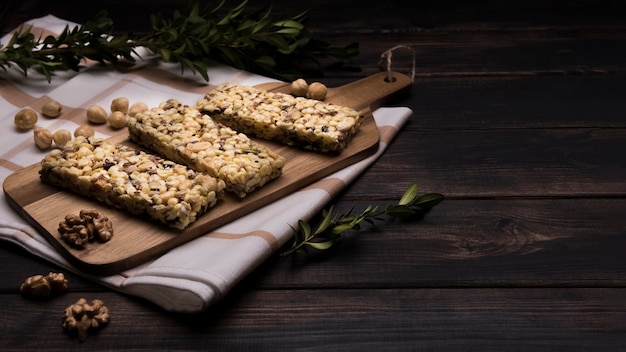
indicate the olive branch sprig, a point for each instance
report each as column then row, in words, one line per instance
column 333, row 225
column 251, row 41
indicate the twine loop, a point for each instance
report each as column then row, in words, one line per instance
column 385, row 61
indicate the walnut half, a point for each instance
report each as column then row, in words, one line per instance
column 39, row 286
column 80, row 318
column 89, row 225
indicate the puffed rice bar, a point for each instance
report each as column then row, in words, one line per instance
column 132, row 180
column 183, row 134
column 296, row 121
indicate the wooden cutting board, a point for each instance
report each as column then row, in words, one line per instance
column 137, row 239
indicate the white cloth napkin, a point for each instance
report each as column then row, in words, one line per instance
column 191, row 277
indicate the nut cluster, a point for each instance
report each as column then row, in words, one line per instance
column 39, row 286
column 315, row 90
column 81, row 318
column 26, row 119
column 89, row 225
column 120, row 111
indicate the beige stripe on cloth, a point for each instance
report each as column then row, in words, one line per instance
column 197, row 274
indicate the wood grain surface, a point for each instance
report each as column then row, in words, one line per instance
column 518, row 119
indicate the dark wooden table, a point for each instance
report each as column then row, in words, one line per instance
column 519, row 119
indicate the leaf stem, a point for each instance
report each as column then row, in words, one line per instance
column 333, row 225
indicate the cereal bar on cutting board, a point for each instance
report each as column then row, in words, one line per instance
column 183, row 134
column 132, row 180
column 295, row 121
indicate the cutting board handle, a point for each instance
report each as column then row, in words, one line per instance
column 372, row 91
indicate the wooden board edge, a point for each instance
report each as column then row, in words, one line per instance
column 108, row 268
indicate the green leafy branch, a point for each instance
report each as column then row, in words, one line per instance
column 250, row 41
column 333, row 225
column 92, row 41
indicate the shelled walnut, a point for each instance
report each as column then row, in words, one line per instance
column 87, row 226
column 39, row 286
column 80, row 318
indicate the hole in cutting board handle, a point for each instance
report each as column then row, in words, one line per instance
column 390, row 79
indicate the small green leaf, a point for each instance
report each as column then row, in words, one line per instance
column 247, row 24
column 289, row 24
column 326, row 221
column 429, row 200
column 261, row 25
column 266, row 61
column 166, row 55
column 409, row 195
column 305, row 228
column 339, row 229
column 321, row 245
column 399, row 211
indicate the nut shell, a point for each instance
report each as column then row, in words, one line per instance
column 26, row 119
column 117, row 119
column 84, row 130
column 43, row 138
column 51, row 109
column 61, row 137
column 137, row 108
column 120, row 104
column 96, row 114
column 317, row 91
column 299, row 87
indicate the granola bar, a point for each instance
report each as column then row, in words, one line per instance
column 295, row 121
column 183, row 134
column 129, row 179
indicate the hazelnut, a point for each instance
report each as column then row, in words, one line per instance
column 43, row 138
column 136, row 108
column 299, row 87
column 120, row 104
column 61, row 137
column 317, row 91
column 117, row 119
column 96, row 114
column 84, row 130
column 26, row 119
column 51, row 109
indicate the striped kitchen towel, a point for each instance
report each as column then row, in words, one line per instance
column 194, row 275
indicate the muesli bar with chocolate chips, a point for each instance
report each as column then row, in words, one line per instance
column 296, row 121
column 182, row 133
column 132, row 180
